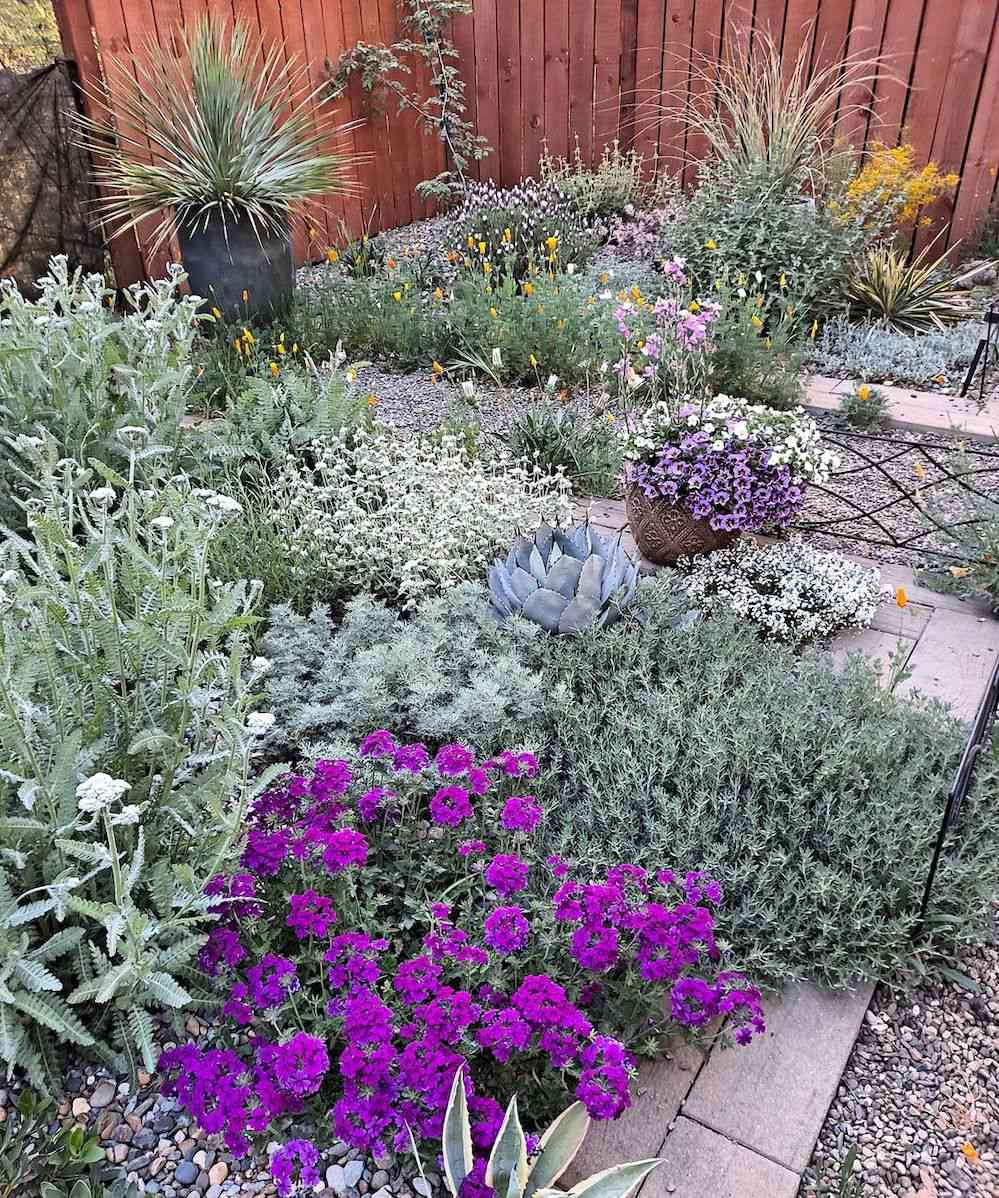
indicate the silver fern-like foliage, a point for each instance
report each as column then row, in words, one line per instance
column 565, row 581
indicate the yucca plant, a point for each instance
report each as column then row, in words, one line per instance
column 215, row 136
column 757, row 112
column 511, row 1172
column 218, row 129
column 911, row 296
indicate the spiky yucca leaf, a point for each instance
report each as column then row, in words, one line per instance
column 913, row 296
column 219, row 130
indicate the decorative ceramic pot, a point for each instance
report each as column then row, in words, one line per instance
column 664, row 531
column 223, row 264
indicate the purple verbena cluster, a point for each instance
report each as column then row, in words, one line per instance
column 359, row 1009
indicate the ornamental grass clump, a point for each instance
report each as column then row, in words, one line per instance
column 791, row 592
column 741, row 467
column 392, row 922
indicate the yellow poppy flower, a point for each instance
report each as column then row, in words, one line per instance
column 534, row 361
column 863, row 391
column 275, row 369
column 755, row 321
column 438, row 294
column 217, row 313
column 332, row 256
column 552, row 243
column 711, row 244
column 695, row 307
column 901, row 598
column 397, row 296
column 528, row 289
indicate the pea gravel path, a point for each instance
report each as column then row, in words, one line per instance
column 920, row 1096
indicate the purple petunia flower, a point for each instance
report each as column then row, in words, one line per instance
column 450, row 806
column 344, row 848
column 453, row 760
column 380, row 743
column 310, row 914
column 296, row 1156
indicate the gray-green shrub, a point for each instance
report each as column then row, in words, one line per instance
column 877, row 353
column 126, row 754
column 811, row 793
column 448, row 673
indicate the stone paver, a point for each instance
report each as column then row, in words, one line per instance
column 772, row 1097
column 880, row 647
column 639, row 1133
column 699, row 1163
column 954, row 660
column 918, row 411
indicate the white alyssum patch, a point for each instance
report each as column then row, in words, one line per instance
column 793, row 592
column 406, row 517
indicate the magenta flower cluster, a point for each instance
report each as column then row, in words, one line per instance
column 360, row 1009
column 735, row 488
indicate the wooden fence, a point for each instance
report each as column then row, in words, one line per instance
column 591, row 71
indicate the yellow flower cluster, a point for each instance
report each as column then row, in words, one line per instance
column 891, row 181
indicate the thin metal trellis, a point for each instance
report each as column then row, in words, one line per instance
column 907, row 499
column 962, row 781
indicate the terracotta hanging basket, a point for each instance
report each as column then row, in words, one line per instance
column 664, row 531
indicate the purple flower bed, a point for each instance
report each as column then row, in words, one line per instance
column 390, row 924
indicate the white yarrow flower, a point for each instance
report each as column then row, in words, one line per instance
column 259, row 723
column 100, row 791
column 103, row 495
column 162, row 522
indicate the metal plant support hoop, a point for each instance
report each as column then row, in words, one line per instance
column 875, row 453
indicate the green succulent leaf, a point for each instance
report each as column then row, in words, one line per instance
column 506, row 1171
column 456, row 1141
column 558, row 1148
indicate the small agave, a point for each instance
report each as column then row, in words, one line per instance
column 565, row 581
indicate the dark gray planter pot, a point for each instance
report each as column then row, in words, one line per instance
column 223, row 264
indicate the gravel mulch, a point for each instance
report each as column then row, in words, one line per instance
column 158, row 1148
column 919, row 1099
column 904, row 463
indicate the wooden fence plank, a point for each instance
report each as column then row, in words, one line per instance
column 799, row 30
column 981, row 162
column 679, row 36
column 511, row 92
column 628, row 45
column 486, row 84
column 607, row 73
column 866, row 34
column 532, row 82
column 707, row 45
column 650, row 48
column 344, row 217
column 556, row 126
column 964, row 72
column 463, row 37
column 582, row 64
column 899, row 49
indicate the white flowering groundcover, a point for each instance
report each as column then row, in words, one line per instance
column 793, row 592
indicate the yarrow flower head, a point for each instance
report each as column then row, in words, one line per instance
column 99, row 792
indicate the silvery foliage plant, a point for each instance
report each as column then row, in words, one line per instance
column 71, row 365
column 791, row 591
column 125, row 741
column 404, row 517
column 878, row 353
column 564, row 581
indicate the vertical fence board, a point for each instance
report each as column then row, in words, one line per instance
column 582, row 64
column 676, row 85
column 954, row 122
column 866, row 33
column 532, row 82
column 799, row 30
column 978, row 176
column 650, row 48
column 556, row 65
column 899, row 49
column 463, row 36
column 607, row 73
column 511, row 90
column 706, row 47
column 487, row 96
